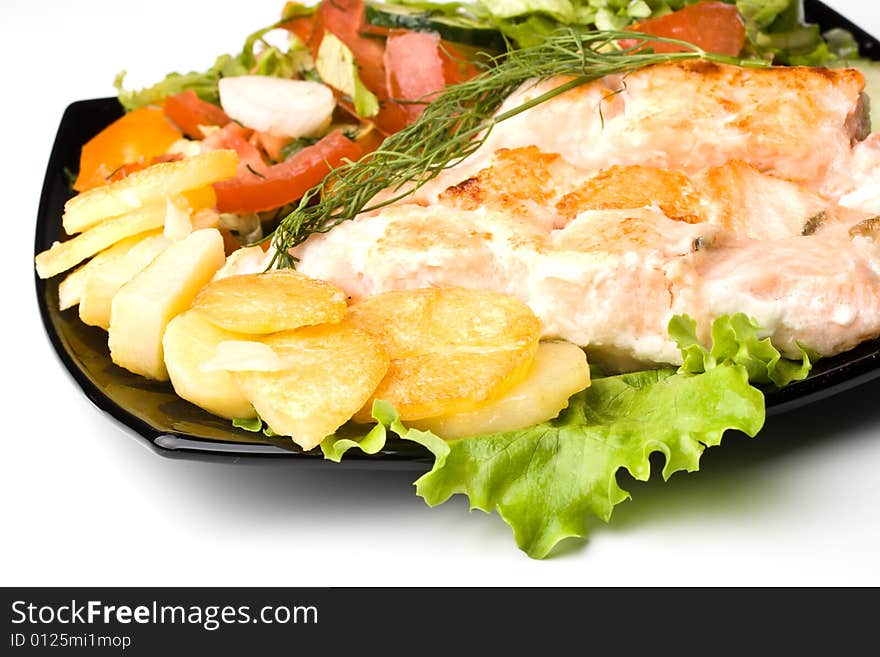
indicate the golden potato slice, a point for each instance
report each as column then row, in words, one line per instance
column 559, row 371
column 189, row 342
column 451, row 349
column 72, row 288
column 142, row 308
column 121, row 266
column 270, row 302
column 338, row 367
column 64, row 255
column 145, row 186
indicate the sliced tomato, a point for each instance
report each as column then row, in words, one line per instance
column 233, row 136
column 136, row 138
column 189, row 112
column 713, row 26
column 302, row 26
column 271, row 145
column 414, row 69
column 419, row 65
column 456, row 67
column 345, row 19
column 274, row 186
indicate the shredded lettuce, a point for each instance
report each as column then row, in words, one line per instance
column 546, row 480
column 271, row 61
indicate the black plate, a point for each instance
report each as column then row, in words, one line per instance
column 176, row 428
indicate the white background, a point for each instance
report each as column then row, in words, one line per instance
column 83, row 502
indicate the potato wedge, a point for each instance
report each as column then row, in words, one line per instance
column 190, row 341
column 451, row 349
column 72, row 288
column 270, row 302
column 142, row 308
column 559, row 371
column 122, row 264
column 146, row 186
column 338, row 367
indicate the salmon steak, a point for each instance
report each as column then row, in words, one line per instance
column 689, row 187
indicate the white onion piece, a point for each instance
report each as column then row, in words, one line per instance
column 284, row 108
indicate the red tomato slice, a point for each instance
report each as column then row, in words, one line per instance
column 713, row 26
column 414, row 69
column 419, row 65
column 234, row 136
column 187, row 111
column 301, row 26
column 345, row 19
column 285, row 182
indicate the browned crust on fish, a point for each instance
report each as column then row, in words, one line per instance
column 621, row 187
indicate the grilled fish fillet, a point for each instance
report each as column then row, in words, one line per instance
column 791, row 122
column 710, row 190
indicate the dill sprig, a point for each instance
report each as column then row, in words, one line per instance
column 458, row 121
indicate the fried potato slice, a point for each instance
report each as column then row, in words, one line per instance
column 451, row 349
column 559, row 371
column 270, row 302
column 146, row 186
column 64, row 255
column 72, row 288
column 337, row 369
column 143, row 307
column 124, row 260
column 189, row 342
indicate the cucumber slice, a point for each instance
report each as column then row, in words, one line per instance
column 456, row 29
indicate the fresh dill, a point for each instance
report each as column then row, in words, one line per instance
column 457, row 122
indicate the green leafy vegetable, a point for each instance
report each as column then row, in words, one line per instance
column 545, row 480
column 561, row 10
column 294, row 146
column 735, row 340
column 336, row 66
column 335, row 446
column 254, row 425
column 271, row 61
column 774, row 28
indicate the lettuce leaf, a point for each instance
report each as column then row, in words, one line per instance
column 546, row 480
column 271, row 61
column 337, row 68
column 372, row 442
column 735, row 340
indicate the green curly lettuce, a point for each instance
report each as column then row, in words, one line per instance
column 546, row 480
column 735, row 339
